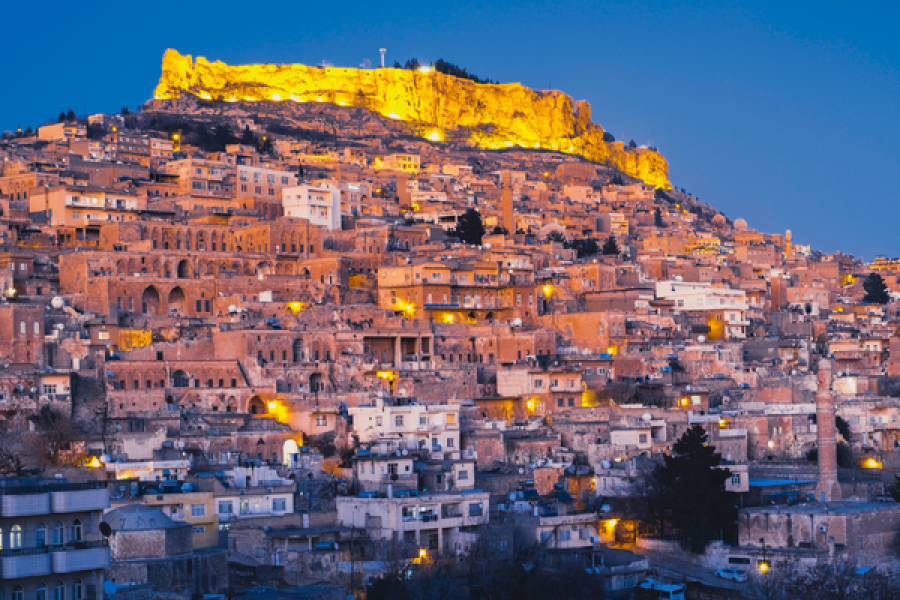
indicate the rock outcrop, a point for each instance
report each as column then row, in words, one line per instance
column 438, row 106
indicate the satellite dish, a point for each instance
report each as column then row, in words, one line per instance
column 404, row 452
column 106, row 530
column 180, row 444
column 521, row 471
column 701, row 338
column 109, row 588
column 104, row 458
column 57, row 302
column 646, row 417
column 512, row 496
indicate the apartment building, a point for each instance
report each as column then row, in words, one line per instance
column 52, row 546
column 439, row 523
column 319, row 204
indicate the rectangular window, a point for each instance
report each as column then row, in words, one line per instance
column 736, row 479
column 226, row 508
column 198, row 510
column 476, row 510
column 642, row 438
column 398, row 420
column 279, row 504
column 463, row 475
column 321, row 421
column 449, row 442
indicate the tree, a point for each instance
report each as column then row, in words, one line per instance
column 876, row 290
column 556, row 236
column 631, row 144
column 247, row 137
column 894, row 489
column 608, row 137
column 70, row 116
column 611, row 247
column 125, row 111
column 844, row 455
column 62, row 118
column 585, row 247
column 843, row 427
column 499, row 231
column 469, row 227
column 657, row 218
column 700, row 508
column 29, row 131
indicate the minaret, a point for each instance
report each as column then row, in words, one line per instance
column 403, row 193
column 506, row 192
column 827, row 489
column 383, row 52
column 788, row 246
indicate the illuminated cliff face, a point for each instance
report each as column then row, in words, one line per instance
column 438, row 106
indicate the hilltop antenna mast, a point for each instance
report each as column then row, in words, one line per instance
column 382, row 51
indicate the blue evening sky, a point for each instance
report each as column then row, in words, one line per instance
column 783, row 113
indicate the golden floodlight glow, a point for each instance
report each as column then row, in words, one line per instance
column 276, row 97
column 386, row 375
column 548, row 290
column 448, row 318
column 11, row 291
column 723, row 423
column 95, row 463
column 684, row 401
column 296, row 306
column 272, row 405
column 205, row 95
column 612, row 350
column 612, row 523
column 394, row 116
column 771, row 444
column 871, row 463
column 435, row 136
column 763, row 566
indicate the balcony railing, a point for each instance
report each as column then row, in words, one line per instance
column 24, row 562
column 84, row 556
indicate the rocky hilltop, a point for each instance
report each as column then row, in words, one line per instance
column 437, row 106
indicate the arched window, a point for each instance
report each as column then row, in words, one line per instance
column 18, row 593
column 59, row 591
column 15, row 537
column 40, row 536
column 76, row 530
column 77, row 590
column 37, row 328
column 58, row 534
column 21, row 327
column 41, row 592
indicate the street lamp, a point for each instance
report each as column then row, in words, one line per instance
column 764, row 567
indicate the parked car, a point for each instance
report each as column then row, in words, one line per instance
column 732, row 575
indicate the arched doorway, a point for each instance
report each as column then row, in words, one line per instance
column 315, row 383
column 177, row 301
column 150, row 301
column 298, row 350
column 180, row 379
column 184, row 269
column 257, row 407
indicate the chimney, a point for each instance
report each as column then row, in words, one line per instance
column 827, row 489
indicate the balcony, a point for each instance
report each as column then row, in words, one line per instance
column 24, row 502
column 24, row 562
column 85, row 556
column 79, row 500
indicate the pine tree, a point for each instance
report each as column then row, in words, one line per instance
column 699, row 506
column 62, row 118
column 469, row 227
column 876, row 290
column 611, row 247
column 70, row 116
column 657, row 218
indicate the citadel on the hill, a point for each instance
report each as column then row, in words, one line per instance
column 306, row 332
